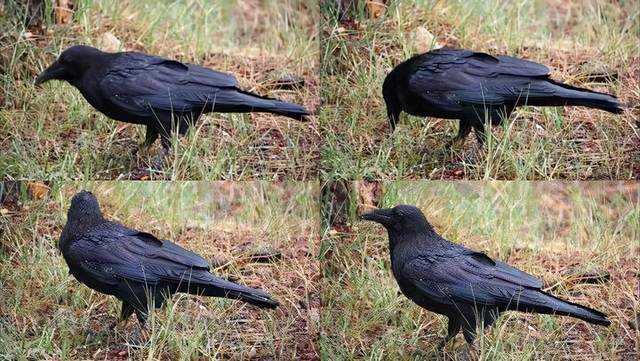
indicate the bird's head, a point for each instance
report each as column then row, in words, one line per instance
column 70, row 65
column 83, row 214
column 84, row 205
column 401, row 219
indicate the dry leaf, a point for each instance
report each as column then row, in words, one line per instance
column 121, row 127
column 38, row 190
column 375, row 8
column 63, row 11
column 368, row 194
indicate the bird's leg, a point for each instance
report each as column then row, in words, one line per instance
column 150, row 137
column 469, row 352
column 126, row 311
column 452, row 330
column 480, row 134
column 463, row 132
column 158, row 161
column 142, row 334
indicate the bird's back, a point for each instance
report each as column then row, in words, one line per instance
column 135, row 86
column 449, row 83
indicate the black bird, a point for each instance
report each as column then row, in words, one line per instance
column 133, row 265
column 474, row 87
column 464, row 285
column 162, row 94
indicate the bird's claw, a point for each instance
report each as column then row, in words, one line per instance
column 140, row 336
column 456, row 144
column 157, row 164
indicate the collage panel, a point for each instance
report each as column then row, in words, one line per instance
column 75, row 107
column 72, row 251
column 319, row 180
column 545, row 247
column 433, row 89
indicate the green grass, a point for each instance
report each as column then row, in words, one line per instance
column 47, row 314
column 53, row 133
column 543, row 228
column 536, row 143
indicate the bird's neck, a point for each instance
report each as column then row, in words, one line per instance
column 417, row 237
column 76, row 228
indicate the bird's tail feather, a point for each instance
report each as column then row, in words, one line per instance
column 542, row 302
column 236, row 100
column 206, row 284
column 569, row 95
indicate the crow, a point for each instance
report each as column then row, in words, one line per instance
column 165, row 95
column 466, row 286
column 136, row 267
column 477, row 87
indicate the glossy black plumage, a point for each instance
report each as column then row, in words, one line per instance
column 464, row 285
column 162, row 94
column 477, row 87
column 132, row 265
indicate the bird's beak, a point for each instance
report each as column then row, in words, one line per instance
column 54, row 71
column 382, row 216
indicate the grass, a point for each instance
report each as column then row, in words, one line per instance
column 536, row 143
column 551, row 230
column 47, row 314
column 53, row 133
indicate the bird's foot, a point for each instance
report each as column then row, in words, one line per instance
column 443, row 343
column 140, row 148
column 139, row 337
column 138, row 173
column 455, row 145
column 455, row 343
column 144, row 173
column 113, row 325
column 468, row 353
column 158, row 162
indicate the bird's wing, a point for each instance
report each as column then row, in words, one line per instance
column 514, row 66
column 92, row 257
column 470, row 277
column 121, row 253
column 138, row 82
column 467, row 77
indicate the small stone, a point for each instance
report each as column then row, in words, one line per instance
column 596, row 72
column 424, row 41
column 284, row 80
column 581, row 275
column 109, row 42
column 264, row 254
